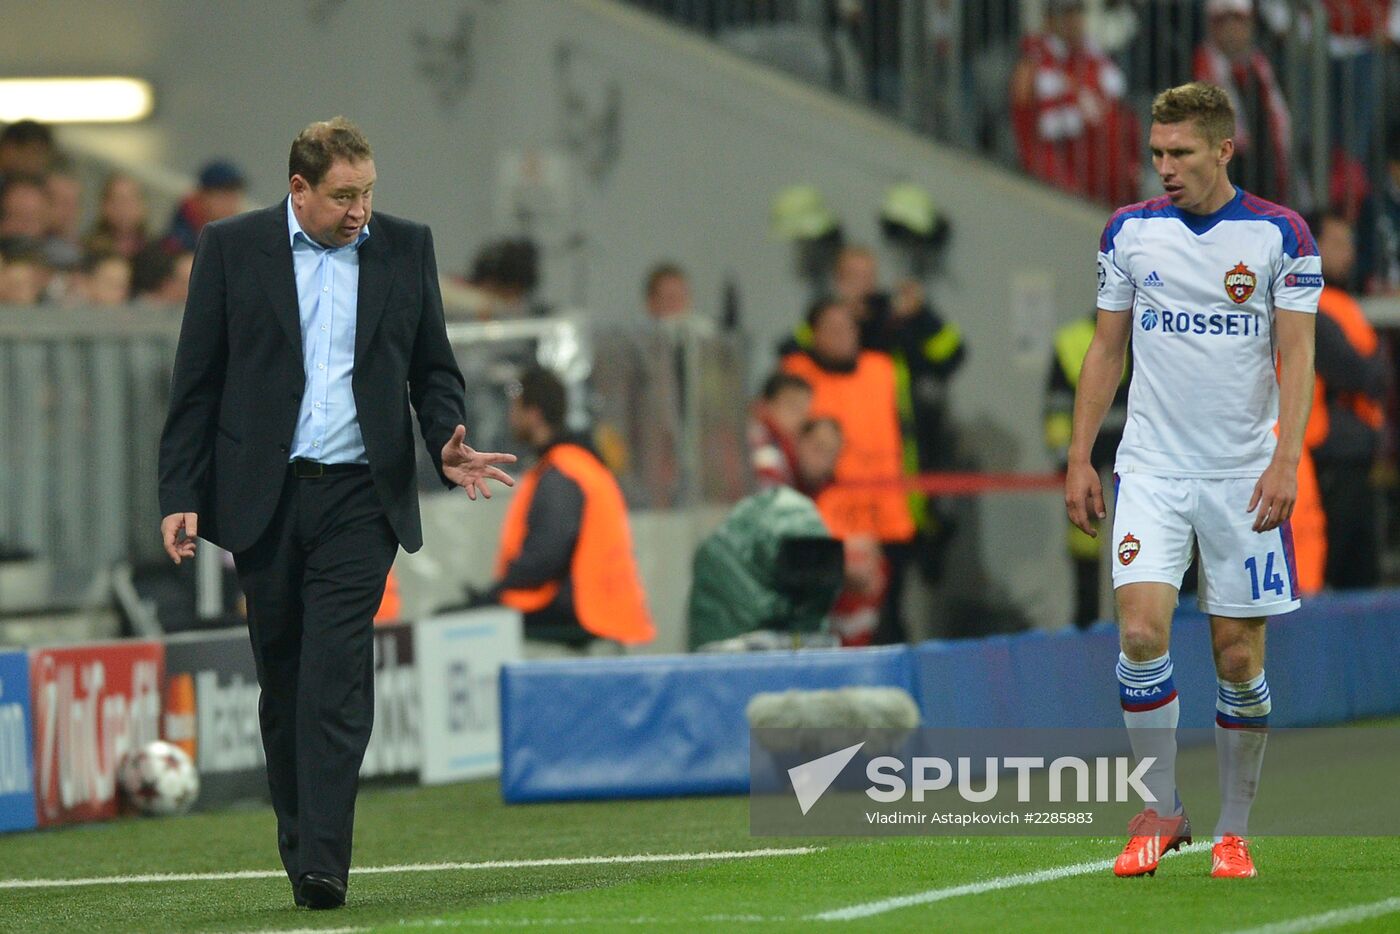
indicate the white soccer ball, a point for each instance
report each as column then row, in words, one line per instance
column 159, row 779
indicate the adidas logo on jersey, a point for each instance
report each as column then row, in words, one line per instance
column 1153, row 280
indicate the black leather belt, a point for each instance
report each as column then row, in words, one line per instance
column 310, row 470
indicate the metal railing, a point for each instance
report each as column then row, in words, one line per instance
column 82, row 401
column 84, row 392
column 663, row 404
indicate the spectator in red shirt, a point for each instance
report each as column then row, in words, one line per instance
column 1356, row 31
column 220, row 195
column 1072, row 129
column 1230, row 58
column 816, row 450
column 778, row 416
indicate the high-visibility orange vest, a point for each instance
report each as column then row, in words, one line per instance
column 1309, row 525
column 607, row 590
column 864, row 403
column 1319, row 422
column 1343, row 309
column 391, row 606
column 1309, row 522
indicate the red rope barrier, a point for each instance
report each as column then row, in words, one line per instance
column 968, row 484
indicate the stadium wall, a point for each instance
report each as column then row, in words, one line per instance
column 638, row 727
column 700, row 143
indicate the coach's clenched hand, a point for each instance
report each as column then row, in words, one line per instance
column 170, row 528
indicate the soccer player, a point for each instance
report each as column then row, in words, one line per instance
column 1209, row 282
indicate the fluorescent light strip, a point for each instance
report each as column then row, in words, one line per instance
column 75, row 100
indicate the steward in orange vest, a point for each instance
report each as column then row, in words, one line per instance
column 566, row 552
column 391, row 605
column 927, row 352
column 856, row 388
column 1347, row 416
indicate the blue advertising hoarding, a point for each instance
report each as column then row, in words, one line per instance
column 16, row 744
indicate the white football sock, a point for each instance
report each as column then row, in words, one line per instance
column 1150, row 712
column 1241, row 733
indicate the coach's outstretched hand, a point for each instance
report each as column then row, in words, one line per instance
column 1274, row 496
column 1084, row 497
column 178, row 532
column 470, row 469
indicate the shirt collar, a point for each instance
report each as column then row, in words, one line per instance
column 294, row 228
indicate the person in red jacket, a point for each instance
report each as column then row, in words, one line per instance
column 1072, row 128
column 1230, row 58
column 776, row 420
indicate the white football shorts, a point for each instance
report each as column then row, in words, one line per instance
column 1159, row 521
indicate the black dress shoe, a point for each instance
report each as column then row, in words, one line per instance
column 319, row 890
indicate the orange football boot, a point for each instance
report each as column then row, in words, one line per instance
column 1230, row 859
column 1152, row 838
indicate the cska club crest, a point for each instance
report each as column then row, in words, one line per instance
column 1239, row 283
column 1128, row 549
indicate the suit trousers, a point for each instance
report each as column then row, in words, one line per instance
column 312, row 583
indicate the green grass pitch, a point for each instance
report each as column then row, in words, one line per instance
column 1299, row 877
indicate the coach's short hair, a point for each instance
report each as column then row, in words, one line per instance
column 318, row 146
column 1205, row 103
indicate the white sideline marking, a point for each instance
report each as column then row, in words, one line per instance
column 578, row 922
column 1329, row 919
column 416, row 867
column 868, row 909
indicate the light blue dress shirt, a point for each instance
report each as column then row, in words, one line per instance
column 328, row 286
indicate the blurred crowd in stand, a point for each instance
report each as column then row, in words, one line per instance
column 1060, row 88
column 64, row 243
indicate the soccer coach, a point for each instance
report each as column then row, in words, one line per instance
column 308, row 331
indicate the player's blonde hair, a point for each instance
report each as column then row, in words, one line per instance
column 1205, row 103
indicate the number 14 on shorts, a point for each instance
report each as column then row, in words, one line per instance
column 1273, row 581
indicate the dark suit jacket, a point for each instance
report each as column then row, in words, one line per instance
column 236, row 391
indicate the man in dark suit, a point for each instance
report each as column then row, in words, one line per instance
column 307, row 334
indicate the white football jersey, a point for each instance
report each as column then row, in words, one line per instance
column 1202, row 290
